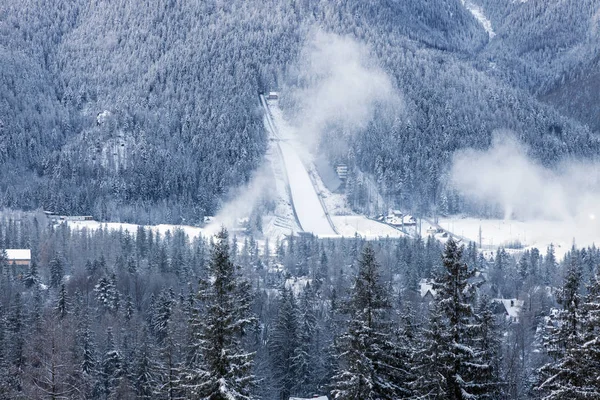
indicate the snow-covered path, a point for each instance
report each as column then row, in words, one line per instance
column 309, row 209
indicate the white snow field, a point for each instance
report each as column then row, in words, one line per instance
column 191, row 231
column 536, row 233
column 309, row 209
column 349, row 225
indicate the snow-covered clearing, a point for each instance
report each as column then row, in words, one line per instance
column 536, row 233
column 478, row 13
column 191, row 231
column 349, row 225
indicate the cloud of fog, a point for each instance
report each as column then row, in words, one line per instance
column 505, row 176
column 243, row 201
column 340, row 85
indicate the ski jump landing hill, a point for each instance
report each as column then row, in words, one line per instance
column 309, row 208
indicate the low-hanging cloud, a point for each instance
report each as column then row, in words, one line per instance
column 341, row 84
column 505, row 176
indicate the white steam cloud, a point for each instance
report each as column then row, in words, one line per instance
column 244, row 200
column 341, row 85
column 505, row 176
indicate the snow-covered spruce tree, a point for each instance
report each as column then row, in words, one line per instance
column 63, row 303
column 487, row 344
column 111, row 366
column 463, row 372
column 224, row 370
column 371, row 365
column 85, row 356
column 32, row 277
column 563, row 377
column 107, row 295
column 145, row 381
column 589, row 353
column 56, row 271
column 283, row 345
column 429, row 372
column 309, row 357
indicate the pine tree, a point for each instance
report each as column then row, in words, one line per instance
column 371, row 364
column 32, row 276
column 62, row 304
column 15, row 342
column 87, row 348
column 308, row 357
column 128, row 310
column 454, row 328
column 487, row 345
column 562, row 377
column 56, row 271
column 144, row 380
column 283, row 345
column 550, row 265
column 111, row 365
column 588, row 354
column 225, row 369
column 429, row 371
column 107, row 295
column 161, row 317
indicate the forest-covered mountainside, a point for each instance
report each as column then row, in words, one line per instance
column 148, row 111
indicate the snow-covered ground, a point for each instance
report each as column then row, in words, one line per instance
column 283, row 221
column 349, row 225
column 478, row 13
column 191, row 231
column 537, row 233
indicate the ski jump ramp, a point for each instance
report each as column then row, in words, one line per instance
column 309, row 209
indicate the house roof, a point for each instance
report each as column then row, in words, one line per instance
column 426, row 286
column 18, row 254
column 409, row 219
column 512, row 306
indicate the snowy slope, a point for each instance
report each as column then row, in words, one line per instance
column 477, row 12
column 349, row 225
column 308, row 207
column 318, row 210
column 310, row 212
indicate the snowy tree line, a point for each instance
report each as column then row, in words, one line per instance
column 113, row 314
column 179, row 82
